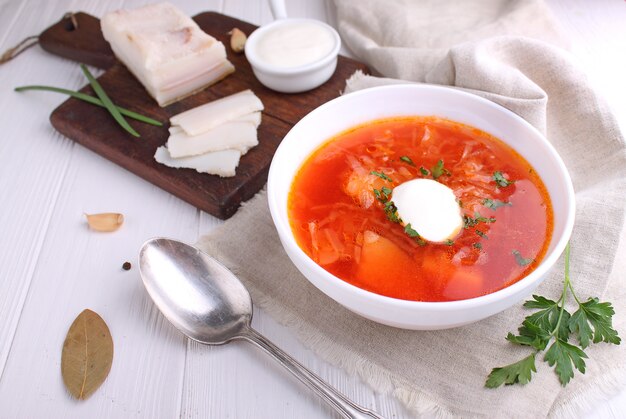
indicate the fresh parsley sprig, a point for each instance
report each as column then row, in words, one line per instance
column 551, row 327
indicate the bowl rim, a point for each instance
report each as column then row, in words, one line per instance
column 258, row 64
column 536, row 276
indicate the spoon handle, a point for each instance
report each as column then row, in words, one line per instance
column 344, row 406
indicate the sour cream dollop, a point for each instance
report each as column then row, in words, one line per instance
column 430, row 207
column 295, row 44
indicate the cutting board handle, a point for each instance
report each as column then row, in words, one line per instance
column 78, row 36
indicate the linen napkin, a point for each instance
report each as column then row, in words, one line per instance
column 442, row 373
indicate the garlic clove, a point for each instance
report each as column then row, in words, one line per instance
column 237, row 40
column 106, row 221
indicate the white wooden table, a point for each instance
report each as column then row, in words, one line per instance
column 52, row 266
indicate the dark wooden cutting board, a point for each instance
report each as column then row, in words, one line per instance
column 95, row 129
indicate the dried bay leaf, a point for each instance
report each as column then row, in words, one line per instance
column 87, row 355
column 106, row 221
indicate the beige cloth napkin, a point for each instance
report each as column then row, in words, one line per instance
column 443, row 372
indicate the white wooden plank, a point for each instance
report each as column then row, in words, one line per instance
column 33, row 161
column 79, row 269
column 49, row 182
column 256, row 12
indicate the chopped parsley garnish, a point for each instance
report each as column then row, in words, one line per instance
column 389, row 207
column 478, row 246
column 472, row 222
column 521, row 261
column 449, row 242
column 494, row 204
column 438, row 170
column 381, row 175
column 481, row 219
column 424, row 171
column 410, row 231
column 407, row 160
column 382, row 194
column 481, row 234
column 391, row 211
column 499, row 178
column 554, row 328
column 414, row 234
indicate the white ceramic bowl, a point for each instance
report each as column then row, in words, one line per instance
column 403, row 100
column 292, row 79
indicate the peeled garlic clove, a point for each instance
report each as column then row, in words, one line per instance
column 106, row 221
column 237, row 40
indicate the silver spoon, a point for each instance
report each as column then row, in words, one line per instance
column 209, row 304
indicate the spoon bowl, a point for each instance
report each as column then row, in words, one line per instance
column 197, row 294
column 208, row 303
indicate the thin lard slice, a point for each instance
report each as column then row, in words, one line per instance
column 252, row 118
column 222, row 163
column 166, row 50
column 205, row 117
column 240, row 136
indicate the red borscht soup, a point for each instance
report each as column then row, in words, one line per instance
column 342, row 213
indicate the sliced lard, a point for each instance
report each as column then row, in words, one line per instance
column 240, row 136
column 222, row 163
column 253, row 118
column 205, row 117
column 166, row 50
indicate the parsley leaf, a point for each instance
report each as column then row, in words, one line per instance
column 547, row 318
column 494, row 204
column 519, row 372
column 381, row 175
column 438, row 170
column 551, row 326
column 424, row 171
column 521, row 261
column 594, row 320
column 530, row 334
column 407, row 160
column 478, row 246
column 501, row 180
column 564, row 356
